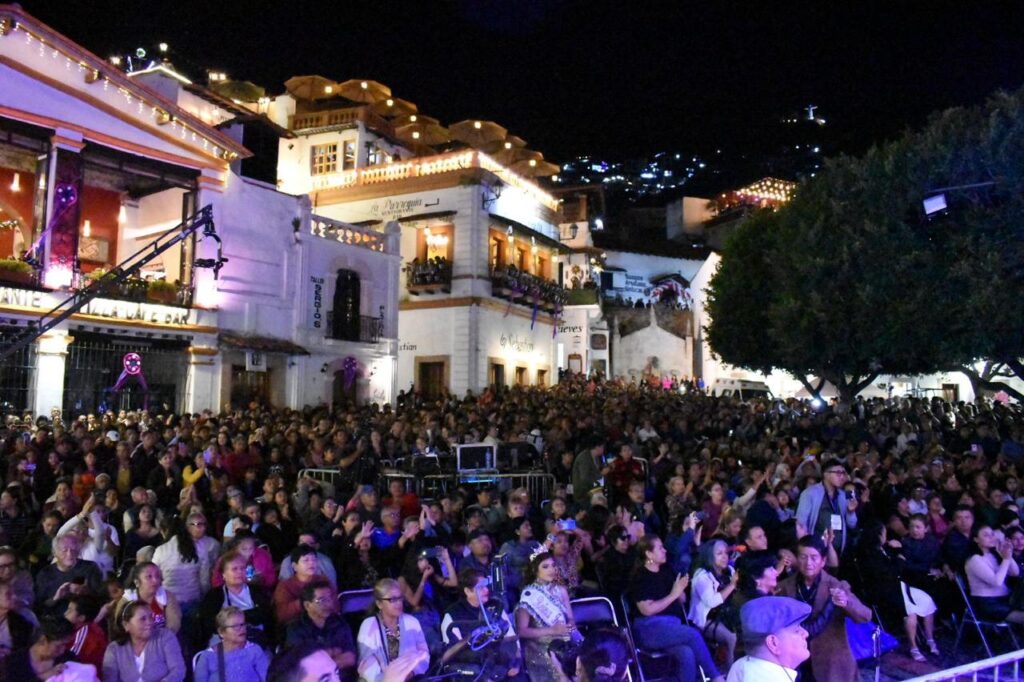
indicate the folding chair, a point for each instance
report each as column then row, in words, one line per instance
column 980, row 625
column 663, row 664
column 595, row 612
column 354, row 605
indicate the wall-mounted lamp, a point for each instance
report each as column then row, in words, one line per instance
column 16, row 183
column 87, row 229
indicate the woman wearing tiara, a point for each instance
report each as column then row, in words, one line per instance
column 544, row 618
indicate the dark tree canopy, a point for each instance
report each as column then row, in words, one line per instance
column 850, row 280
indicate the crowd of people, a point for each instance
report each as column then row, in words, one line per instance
column 166, row 546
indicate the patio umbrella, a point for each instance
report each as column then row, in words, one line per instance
column 425, row 132
column 415, row 118
column 535, row 168
column 512, row 155
column 310, row 87
column 477, row 133
column 363, row 91
column 510, row 142
column 392, row 107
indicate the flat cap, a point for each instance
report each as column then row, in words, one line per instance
column 767, row 615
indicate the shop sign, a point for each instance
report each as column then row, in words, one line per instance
column 316, row 316
column 397, row 208
column 23, row 298
column 127, row 311
column 137, row 312
column 636, row 285
column 520, row 344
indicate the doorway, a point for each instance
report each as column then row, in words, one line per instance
column 497, row 375
column 248, row 387
column 345, row 315
column 432, row 379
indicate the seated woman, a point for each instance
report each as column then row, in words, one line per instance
column 882, row 563
column 241, row 659
column 236, row 591
column 145, row 584
column 543, row 616
column 259, row 566
column 144, row 653
column 990, row 564
column 713, row 584
column 388, row 634
column 759, row 577
column 424, row 588
column 604, row 657
column 659, row 597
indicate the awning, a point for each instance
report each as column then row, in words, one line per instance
column 263, row 344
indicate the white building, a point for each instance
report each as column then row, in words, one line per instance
column 95, row 165
column 467, row 319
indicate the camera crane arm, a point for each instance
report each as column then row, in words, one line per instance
column 201, row 219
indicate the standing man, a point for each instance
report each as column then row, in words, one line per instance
column 588, row 472
column 774, row 638
column 831, row 602
column 824, row 506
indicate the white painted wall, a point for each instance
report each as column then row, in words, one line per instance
column 651, row 349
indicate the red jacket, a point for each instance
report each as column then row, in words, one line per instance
column 90, row 644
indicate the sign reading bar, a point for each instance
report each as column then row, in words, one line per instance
column 138, row 312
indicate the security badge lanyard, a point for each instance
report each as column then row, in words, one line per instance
column 837, row 517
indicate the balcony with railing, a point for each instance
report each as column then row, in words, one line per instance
column 19, row 274
column 353, row 235
column 431, row 276
column 366, row 329
column 518, row 286
column 438, row 164
column 341, row 118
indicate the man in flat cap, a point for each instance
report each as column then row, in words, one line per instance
column 774, row 638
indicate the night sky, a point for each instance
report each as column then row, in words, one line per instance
column 617, row 79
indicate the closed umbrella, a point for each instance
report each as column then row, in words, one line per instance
column 477, row 134
column 367, row 92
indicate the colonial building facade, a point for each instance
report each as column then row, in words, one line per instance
column 94, row 166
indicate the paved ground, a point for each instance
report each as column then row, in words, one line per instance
column 898, row 665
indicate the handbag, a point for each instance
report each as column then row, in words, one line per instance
column 859, row 636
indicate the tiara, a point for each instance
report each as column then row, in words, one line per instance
column 540, row 550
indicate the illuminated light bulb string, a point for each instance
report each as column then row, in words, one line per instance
column 9, row 27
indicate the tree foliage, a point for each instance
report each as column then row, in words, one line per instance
column 850, row 280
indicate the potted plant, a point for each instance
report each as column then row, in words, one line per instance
column 161, row 291
column 15, row 271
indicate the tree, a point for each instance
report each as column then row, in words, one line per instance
column 849, row 280
column 841, row 282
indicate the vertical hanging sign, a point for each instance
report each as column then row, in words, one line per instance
column 61, row 234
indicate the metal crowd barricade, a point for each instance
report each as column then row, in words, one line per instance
column 1004, row 667
column 321, row 475
column 538, row 484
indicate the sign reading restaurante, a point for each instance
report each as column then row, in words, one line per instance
column 128, row 311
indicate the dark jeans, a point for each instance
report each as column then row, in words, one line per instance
column 684, row 643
